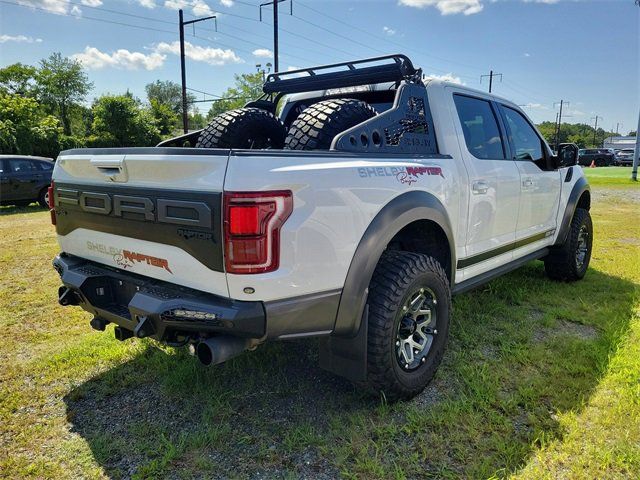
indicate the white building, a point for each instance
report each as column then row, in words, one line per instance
column 618, row 143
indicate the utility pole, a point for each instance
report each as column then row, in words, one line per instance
column 636, row 153
column 617, row 127
column 491, row 75
column 561, row 103
column 185, row 107
column 275, row 3
column 595, row 129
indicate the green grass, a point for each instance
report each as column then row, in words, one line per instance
column 540, row 380
column 610, row 177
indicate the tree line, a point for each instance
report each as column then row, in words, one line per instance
column 43, row 111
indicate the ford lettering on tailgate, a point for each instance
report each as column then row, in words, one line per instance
column 189, row 220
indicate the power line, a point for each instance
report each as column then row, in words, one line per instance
column 389, row 40
column 113, row 22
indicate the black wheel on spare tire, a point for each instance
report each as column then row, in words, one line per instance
column 569, row 261
column 318, row 124
column 243, row 128
column 409, row 307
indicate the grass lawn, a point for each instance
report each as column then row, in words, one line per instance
column 540, row 380
column 610, row 177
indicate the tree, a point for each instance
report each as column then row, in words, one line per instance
column 24, row 130
column 62, row 83
column 17, row 79
column 165, row 118
column 248, row 87
column 579, row 133
column 167, row 93
column 119, row 121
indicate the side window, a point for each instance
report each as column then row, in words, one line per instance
column 480, row 128
column 22, row 166
column 525, row 140
column 45, row 166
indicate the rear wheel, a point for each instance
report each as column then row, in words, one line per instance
column 409, row 306
column 43, row 198
column 569, row 261
column 317, row 125
column 251, row 128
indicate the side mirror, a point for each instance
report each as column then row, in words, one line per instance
column 567, row 155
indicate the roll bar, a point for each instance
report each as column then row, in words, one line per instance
column 389, row 68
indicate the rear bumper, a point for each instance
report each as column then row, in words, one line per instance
column 152, row 308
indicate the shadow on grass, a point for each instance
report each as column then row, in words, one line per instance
column 521, row 349
column 13, row 209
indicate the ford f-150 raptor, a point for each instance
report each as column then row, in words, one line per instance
column 352, row 215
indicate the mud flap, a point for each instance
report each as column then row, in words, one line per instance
column 347, row 357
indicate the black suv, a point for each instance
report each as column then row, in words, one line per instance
column 603, row 157
column 25, row 179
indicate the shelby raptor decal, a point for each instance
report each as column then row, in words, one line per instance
column 127, row 259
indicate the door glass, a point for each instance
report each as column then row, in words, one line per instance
column 480, row 128
column 22, row 166
column 526, row 142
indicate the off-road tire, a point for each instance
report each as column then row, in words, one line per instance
column 317, row 125
column 561, row 263
column 396, row 276
column 42, row 198
column 251, row 128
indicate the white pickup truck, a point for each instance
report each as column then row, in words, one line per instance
column 352, row 216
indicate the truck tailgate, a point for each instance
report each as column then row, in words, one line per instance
column 151, row 211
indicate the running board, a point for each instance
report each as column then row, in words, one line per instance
column 490, row 275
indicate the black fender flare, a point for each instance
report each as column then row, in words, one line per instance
column 578, row 189
column 398, row 213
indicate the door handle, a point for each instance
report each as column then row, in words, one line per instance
column 480, row 187
column 527, row 182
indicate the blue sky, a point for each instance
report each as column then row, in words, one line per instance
column 585, row 52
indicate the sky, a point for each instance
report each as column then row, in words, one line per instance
column 584, row 52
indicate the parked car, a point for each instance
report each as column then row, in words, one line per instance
column 348, row 216
column 603, row 157
column 624, row 157
column 25, row 179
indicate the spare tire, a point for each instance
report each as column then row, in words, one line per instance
column 317, row 125
column 252, row 128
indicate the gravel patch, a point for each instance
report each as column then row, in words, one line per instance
column 616, row 194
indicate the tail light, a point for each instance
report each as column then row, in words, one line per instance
column 252, row 222
column 52, row 204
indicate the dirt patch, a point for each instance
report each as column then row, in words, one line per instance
column 615, row 194
column 566, row 328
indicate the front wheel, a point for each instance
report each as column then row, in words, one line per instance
column 569, row 261
column 409, row 307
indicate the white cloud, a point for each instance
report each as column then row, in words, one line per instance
column 536, row 106
column 91, row 3
column 53, row 6
column 447, row 7
column 198, row 7
column 388, row 31
column 76, row 12
column 527, row 54
column 176, row 4
column 226, row 3
column 147, row 3
column 263, row 53
column 19, row 39
column 212, row 56
column 94, row 59
column 446, row 77
column 201, row 9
